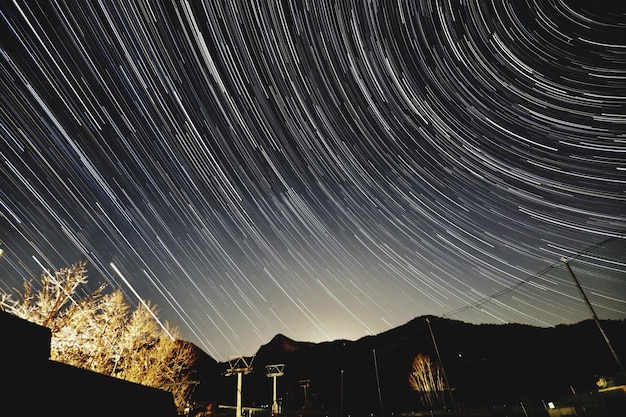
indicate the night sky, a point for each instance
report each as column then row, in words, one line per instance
column 321, row 169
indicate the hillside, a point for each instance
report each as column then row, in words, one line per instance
column 485, row 365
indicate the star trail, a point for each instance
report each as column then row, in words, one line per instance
column 321, row 169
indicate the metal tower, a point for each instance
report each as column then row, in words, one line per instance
column 304, row 383
column 274, row 371
column 239, row 365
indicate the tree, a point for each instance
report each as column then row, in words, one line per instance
column 99, row 332
column 426, row 377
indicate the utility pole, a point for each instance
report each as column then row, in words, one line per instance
column 239, row 365
column 593, row 313
column 341, row 402
column 380, row 398
column 443, row 370
column 274, row 371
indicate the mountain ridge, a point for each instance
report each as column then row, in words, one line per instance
column 484, row 363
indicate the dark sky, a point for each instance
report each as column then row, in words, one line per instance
column 321, row 169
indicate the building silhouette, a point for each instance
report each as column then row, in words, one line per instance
column 34, row 385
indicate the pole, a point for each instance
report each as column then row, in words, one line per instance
column 305, row 396
column 304, row 383
column 274, row 402
column 239, row 384
column 341, row 402
column 380, row 398
column 274, row 371
column 239, row 365
column 593, row 313
column 443, row 370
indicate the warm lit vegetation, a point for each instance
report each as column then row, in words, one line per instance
column 426, row 378
column 102, row 333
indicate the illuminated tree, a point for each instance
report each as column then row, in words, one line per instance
column 426, row 378
column 99, row 332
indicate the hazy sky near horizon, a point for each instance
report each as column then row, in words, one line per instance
column 321, row 169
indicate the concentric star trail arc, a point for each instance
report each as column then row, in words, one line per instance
column 320, row 169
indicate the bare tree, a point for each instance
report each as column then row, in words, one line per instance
column 426, row 378
column 99, row 332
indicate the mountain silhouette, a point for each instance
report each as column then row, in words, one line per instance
column 484, row 364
